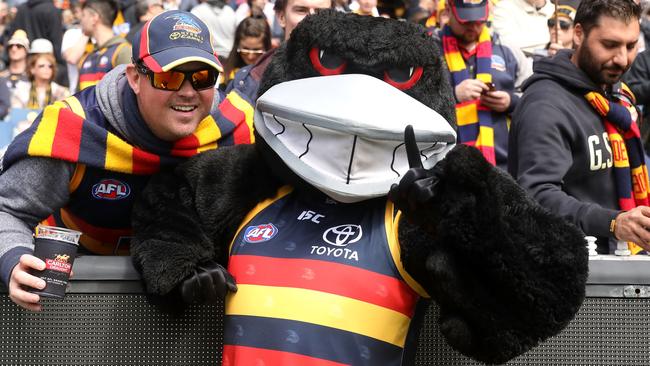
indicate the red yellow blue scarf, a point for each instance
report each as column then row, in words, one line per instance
column 475, row 127
column 627, row 149
column 63, row 132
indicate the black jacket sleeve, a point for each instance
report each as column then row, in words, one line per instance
column 505, row 272
column 189, row 216
column 638, row 78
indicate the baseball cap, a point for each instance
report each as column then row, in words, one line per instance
column 469, row 10
column 20, row 38
column 566, row 11
column 174, row 38
column 41, row 45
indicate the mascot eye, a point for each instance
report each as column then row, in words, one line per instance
column 327, row 63
column 403, row 78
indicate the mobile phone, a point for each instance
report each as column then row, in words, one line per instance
column 491, row 88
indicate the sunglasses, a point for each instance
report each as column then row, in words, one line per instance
column 563, row 24
column 250, row 52
column 173, row 80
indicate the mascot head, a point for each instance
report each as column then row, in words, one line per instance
column 336, row 98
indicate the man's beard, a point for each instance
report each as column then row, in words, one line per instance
column 599, row 74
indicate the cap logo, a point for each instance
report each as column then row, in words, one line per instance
column 185, row 28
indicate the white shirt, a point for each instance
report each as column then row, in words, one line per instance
column 520, row 24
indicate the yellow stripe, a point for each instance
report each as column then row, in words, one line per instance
column 486, row 78
column 485, row 137
column 392, row 234
column 319, row 308
column 41, row 142
column 248, row 110
column 283, row 191
column 119, row 155
column 77, row 176
column 467, row 114
column 117, row 52
column 206, row 132
column 640, row 182
column 622, row 161
column 455, row 61
column 75, row 106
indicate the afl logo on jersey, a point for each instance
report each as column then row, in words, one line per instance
column 260, row 233
column 111, row 189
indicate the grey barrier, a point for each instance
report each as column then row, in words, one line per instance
column 106, row 320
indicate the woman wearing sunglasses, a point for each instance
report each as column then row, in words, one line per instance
column 252, row 40
column 560, row 28
column 40, row 90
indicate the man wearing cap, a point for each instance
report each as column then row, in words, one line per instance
column 110, row 50
column 483, row 72
column 85, row 160
column 17, row 48
column 574, row 142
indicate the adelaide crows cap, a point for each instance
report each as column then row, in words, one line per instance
column 470, row 10
column 174, row 38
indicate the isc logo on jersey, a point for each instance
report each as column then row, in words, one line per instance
column 111, row 189
column 260, row 233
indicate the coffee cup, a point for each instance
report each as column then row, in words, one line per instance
column 56, row 247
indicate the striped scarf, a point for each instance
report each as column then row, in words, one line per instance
column 62, row 132
column 630, row 170
column 475, row 127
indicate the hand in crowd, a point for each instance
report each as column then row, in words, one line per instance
column 553, row 48
column 634, row 226
column 469, row 89
column 20, row 280
column 497, row 100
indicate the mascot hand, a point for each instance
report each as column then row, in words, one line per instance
column 418, row 186
column 208, row 284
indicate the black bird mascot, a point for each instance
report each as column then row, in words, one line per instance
column 352, row 210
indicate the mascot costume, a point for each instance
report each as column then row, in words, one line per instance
column 353, row 210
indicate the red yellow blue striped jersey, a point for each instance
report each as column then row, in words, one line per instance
column 319, row 283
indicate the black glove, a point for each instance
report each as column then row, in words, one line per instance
column 208, row 284
column 418, row 186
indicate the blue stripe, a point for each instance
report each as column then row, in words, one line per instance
column 93, row 138
column 619, row 116
column 310, row 340
column 226, row 127
column 623, row 182
column 468, row 132
column 483, row 65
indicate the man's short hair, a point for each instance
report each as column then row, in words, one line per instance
column 590, row 11
column 107, row 10
column 279, row 5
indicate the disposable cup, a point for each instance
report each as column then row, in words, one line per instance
column 56, row 247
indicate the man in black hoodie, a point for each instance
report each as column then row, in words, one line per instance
column 559, row 148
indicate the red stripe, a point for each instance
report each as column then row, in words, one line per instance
column 144, row 41
column 370, row 287
column 96, row 76
column 186, row 147
column 51, row 221
column 144, row 162
column 238, row 118
column 250, row 356
column 67, row 138
column 626, row 203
